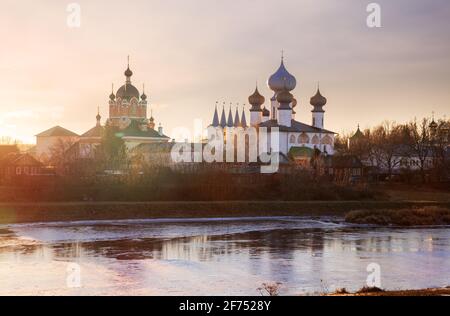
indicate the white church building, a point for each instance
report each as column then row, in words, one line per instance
column 295, row 137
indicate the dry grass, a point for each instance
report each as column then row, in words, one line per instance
column 367, row 289
column 423, row 292
column 425, row 216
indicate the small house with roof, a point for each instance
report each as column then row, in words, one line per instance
column 47, row 141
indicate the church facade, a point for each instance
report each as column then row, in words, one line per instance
column 297, row 140
column 128, row 116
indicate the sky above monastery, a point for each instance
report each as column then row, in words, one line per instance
column 192, row 53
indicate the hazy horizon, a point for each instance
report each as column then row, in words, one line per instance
column 191, row 54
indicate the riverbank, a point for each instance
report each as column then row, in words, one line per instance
column 424, row 216
column 79, row 211
column 423, row 292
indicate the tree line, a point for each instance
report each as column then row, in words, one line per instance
column 419, row 147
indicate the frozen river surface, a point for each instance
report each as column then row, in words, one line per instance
column 216, row 257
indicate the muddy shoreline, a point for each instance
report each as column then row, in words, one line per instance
column 78, row 211
column 422, row 292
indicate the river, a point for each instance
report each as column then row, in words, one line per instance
column 305, row 255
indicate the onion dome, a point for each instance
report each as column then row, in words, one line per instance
column 112, row 97
column 128, row 73
column 433, row 124
column 318, row 101
column 143, row 96
column 282, row 80
column 98, row 117
column 285, row 97
column 266, row 112
column 256, row 100
column 294, row 103
column 128, row 91
column 358, row 134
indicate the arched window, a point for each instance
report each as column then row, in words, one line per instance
column 327, row 140
column 315, row 140
column 303, row 138
column 292, row 139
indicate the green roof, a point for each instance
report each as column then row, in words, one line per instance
column 133, row 130
column 301, row 152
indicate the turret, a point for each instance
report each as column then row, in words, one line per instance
column 98, row 117
column 151, row 121
column 318, row 102
column 285, row 98
column 256, row 100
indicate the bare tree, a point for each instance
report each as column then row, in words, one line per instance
column 419, row 143
column 61, row 155
column 440, row 141
column 387, row 146
column 8, row 140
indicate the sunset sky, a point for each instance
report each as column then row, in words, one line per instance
column 192, row 53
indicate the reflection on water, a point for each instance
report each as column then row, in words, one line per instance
column 225, row 257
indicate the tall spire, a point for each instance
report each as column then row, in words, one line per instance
column 98, row 117
column 237, row 120
column 216, row 122
column 151, row 121
column 230, row 118
column 143, row 96
column 112, row 96
column 223, row 119
column 243, row 119
column 128, row 72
